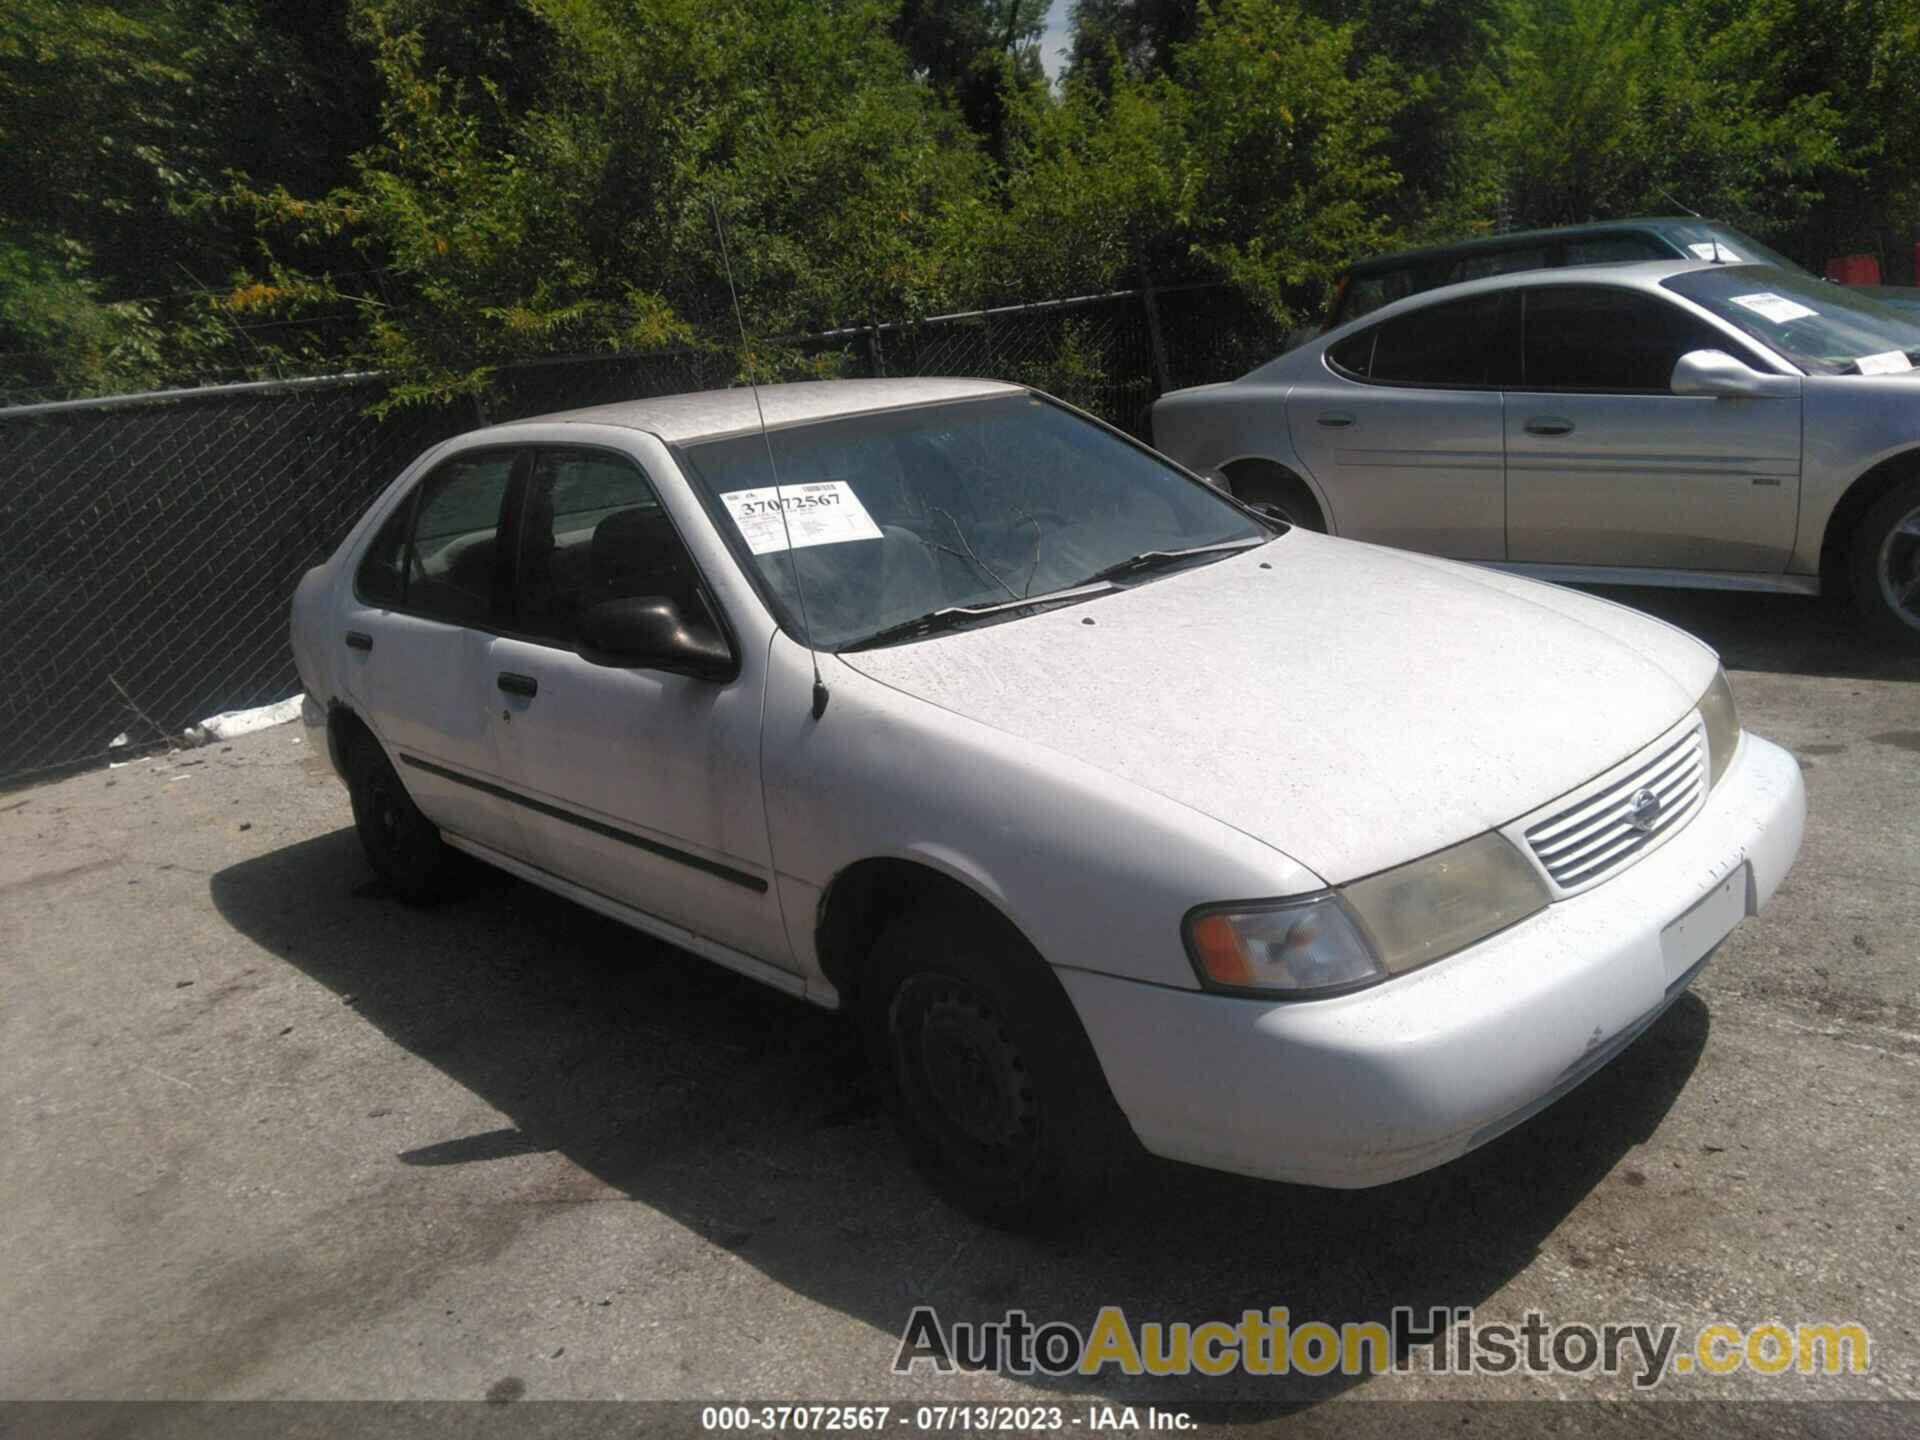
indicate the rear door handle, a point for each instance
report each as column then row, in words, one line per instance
column 1335, row 422
column 359, row 640
column 1549, row 425
column 518, row 684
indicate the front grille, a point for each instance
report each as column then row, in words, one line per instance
column 1595, row 836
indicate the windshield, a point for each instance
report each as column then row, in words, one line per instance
column 968, row 503
column 1825, row 329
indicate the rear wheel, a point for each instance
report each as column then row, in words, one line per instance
column 1274, row 490
column 403, row 846
column 1883, row 561
column 991, row 1079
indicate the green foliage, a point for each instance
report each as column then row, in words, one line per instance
column 1612, row 107
column 1287, row 126
column 201, row 189
column 1259, row 158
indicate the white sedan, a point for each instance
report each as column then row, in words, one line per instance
column 1111, row 808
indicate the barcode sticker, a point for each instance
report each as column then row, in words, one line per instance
column 820, row 512
column 1776, row 308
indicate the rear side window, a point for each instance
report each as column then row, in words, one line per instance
column 1366, row 293
column 1615, row 250
column 1458, row 344
column 594, row 531
column 439, row 554
column 1498, row 262
column 1617, row 341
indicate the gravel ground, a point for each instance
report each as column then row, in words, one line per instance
column 270, row 1134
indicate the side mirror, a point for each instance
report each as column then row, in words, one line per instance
column 1714, row 372
column 649, row 633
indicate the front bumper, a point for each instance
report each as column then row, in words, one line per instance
column 1366, row 1088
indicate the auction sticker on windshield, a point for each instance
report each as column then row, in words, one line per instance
column 1893, row 362
column 821, row 512
column 1776, row 308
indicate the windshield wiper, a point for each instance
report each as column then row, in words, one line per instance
column 956, row 617
column 1160, row 559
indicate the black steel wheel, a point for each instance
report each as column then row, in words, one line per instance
column 402, row 845
column 990, row 1076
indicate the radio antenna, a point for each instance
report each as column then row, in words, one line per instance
column 773, row 467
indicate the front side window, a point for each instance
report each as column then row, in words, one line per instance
column 594, row 531
column 897, row 515
column 439, row 554
column 1825, row 329
column 1456, row 344
column 1608, row 340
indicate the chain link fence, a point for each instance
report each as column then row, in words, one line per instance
column 149, row 545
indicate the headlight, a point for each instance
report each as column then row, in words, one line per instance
column 1723, row 726
column 1383, row 925
column 1299, row 947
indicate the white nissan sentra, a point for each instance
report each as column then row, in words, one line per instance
column 1111, row 808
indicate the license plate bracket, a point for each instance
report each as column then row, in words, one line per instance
column 1705, row 924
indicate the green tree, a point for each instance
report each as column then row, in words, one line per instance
column 980, row 54
column 1287, row 124
column 582, row 218
column 1616, row 107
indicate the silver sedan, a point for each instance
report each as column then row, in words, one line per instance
column 1661, row 423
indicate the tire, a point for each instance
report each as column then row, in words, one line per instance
column 403, row 846
column 986, row 1068
column 1883, row 562
column 1279, row 493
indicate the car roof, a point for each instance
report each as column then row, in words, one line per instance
column 1631, row 275
column 1520, row 239
column 707, row 414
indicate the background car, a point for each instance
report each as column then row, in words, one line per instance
column 1905, row 298
column 1383, row 279
column 1666, row 423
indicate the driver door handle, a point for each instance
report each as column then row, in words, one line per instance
column 518, row 684
column 1335, row 421
column 1549, row 425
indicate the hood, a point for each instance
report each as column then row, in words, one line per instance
column 1352, row 706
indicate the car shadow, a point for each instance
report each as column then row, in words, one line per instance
column 749, row 1118
column 1789, row 634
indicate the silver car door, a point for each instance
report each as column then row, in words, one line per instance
column 1607, row 466
column 1402, row 428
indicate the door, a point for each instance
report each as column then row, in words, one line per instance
column 426, row 595
column 1607, row 466
column 1404, row 433
column 640, row 785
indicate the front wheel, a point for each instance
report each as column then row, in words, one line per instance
column 991, row 1079
column 1884, row 561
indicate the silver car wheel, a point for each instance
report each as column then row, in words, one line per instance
column 1899, row 568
